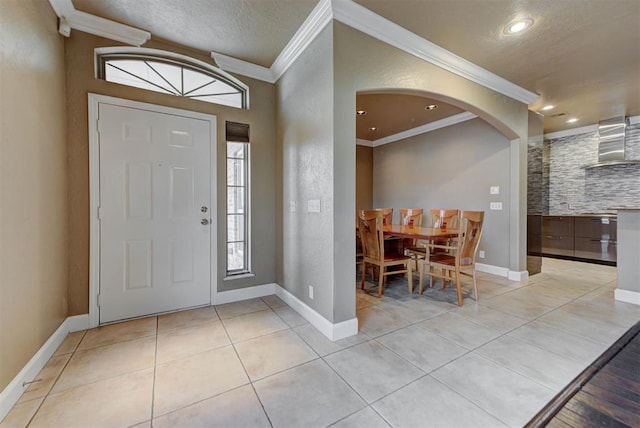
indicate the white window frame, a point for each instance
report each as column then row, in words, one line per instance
column 123, row 52
column 246, row 271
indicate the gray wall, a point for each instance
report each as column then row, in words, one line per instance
column 574, row 190
column 305, row 144
column 364, row 178
column 452, row 167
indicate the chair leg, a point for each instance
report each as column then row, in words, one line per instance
column 475, row 287
column 421, row 279
column 364, row 273
column 380, row 281
column 410, row 275
column 458, row 288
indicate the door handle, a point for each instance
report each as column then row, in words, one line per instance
column 204, row 222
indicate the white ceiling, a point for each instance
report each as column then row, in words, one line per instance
column 583, row 56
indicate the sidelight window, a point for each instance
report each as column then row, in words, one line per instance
column 237, row 199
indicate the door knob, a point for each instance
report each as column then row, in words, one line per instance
column 204, row 222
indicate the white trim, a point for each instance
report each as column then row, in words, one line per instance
column 82, row 21
column 633, row 120
column 366, row 143
column 170, row 55
column 246, row 293
column 428, row 127
column 519, row 276
column 244, row 68
column 239, row 276
column 362, row 19
column 627, row 296
column 494, row 270
column 319, row 17
column 94, row 191
column 12, row 392
column 332, row 331
column 570, row 132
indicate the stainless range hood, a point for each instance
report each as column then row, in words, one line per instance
column 611, row 144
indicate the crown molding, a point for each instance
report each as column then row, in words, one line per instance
column 319, row 17
column 244, row 68
column 432, row 126
column 82, row 21
column 368, row 22
column 633, row 120
column 570, row 132
column 362, row 142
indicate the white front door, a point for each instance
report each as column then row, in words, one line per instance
column 155, row 210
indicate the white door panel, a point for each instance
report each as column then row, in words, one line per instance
column 154, row 180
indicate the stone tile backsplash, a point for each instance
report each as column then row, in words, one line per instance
column 574, row 190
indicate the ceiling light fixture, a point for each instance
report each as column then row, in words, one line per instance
column 548, row 107
column 572, row 120
column 431, row 107
column 517, row 27
column 373, row 128
column 361, row 112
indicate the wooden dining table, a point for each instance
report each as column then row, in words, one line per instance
column 414, row 232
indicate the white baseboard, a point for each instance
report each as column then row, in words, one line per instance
column 512, row 275
column 627, row 296
column 332, row 331
column 244, row 294
column 494, row 270
column 10, row 395
column 519, row 276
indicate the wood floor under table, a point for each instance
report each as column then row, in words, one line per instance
column 606, row 394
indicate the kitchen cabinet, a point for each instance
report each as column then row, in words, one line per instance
column 596, row 238
column 557, row 235
column 580, row 237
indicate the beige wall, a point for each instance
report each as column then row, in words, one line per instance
column 364, row 178
column 80, row 81
column 33, row 182
column 362, row 63
column 305, row 139
column 452, row 167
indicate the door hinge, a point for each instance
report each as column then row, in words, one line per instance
column 99, row 300
column 99, row 125
column 99, row 213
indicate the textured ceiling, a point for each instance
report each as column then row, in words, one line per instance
column 581, row 55
column 251, row 30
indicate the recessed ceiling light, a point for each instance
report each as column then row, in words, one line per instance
column 548, row 107
column 361, row 112
column 373, row 128
column 431, row 107
column 517, row 27
column 572, row 120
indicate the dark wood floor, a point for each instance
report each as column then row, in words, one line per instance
column 606, row 394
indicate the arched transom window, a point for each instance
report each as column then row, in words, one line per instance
column 170, row 73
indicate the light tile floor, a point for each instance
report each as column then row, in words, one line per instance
column 418, row 360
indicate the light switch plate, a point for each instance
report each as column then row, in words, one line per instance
column 496, row 205
column 494, row 190
column 313, row 205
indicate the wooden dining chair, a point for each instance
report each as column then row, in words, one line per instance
column 459, row 257
column 372, row 236
column 438, row 218
column 411, row 217
column 387, row 215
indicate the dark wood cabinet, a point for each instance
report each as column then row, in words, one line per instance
column 596, row 238
column 580, row 237
column 557, row 235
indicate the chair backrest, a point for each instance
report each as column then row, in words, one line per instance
column 470, row 231
column 443, row 218
column 411, row 216
column 387, row 215
column 371, row 233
